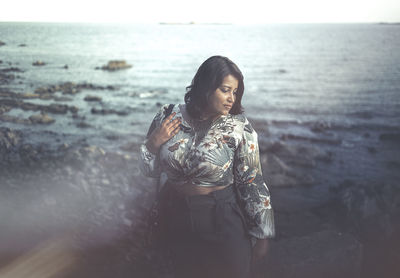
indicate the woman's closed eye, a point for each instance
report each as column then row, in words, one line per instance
column 226, row 90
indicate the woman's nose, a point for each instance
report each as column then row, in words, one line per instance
column 231, row 97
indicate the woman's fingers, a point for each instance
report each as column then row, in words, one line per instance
column 175, row 127
column 167, row 120
column 170, row 127
column 172, row 124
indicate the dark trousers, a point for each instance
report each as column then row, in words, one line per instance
column 206, row 235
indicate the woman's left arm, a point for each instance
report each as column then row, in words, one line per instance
column 252, row 190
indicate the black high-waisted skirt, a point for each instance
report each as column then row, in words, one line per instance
column 206, row 235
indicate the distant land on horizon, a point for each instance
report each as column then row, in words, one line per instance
column 193, row 22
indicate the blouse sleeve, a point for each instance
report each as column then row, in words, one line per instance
column 253, row 193
column 149, row 162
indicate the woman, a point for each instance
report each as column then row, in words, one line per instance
column 218, row 213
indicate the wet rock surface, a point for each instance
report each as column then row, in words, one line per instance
column 101, row 198
column 52, row 108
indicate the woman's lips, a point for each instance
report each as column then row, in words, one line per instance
column 228, row 106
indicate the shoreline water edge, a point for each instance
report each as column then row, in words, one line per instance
column 334, row 189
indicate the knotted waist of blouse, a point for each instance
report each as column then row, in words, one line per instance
column 215, row 200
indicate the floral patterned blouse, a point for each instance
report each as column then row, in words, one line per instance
column 225, row 152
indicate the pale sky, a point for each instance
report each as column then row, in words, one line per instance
column 202, row 11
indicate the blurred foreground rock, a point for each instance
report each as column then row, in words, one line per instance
column 327, row 254
column 369, row 210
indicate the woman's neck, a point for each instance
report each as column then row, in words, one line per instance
column 204, row 118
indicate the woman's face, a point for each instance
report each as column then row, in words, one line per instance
column 222, row 100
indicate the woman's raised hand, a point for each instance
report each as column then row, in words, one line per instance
column 163, row 133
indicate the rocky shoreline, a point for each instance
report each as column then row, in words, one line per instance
column 105, row 199
column 100, row 198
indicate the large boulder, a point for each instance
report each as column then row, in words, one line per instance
column 304, row 155
column 280, row 174
column 116, row 65
column 370, row 210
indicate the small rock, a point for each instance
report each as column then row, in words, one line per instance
column 22, row 45
column 73, row 109
column 38, row 63
column 92, row 98
column 46, row 96
column 41, row 119
column 65, row 66
column 93, row 150
column 62, row 99
column 57, row 108
column 2, row 43
column 43, row 90
column 8, row 138
column 64, row 146
column 112, row 137
column 30, row 95
column 320, row 126
column 108, row 111
column 83, row 125
column 4, row 109
column 70, row 91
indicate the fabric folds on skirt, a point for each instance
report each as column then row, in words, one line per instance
column 206, row 235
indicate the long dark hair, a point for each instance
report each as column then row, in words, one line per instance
column 208, row 78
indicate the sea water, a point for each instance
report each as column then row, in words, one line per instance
column 344, row 75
